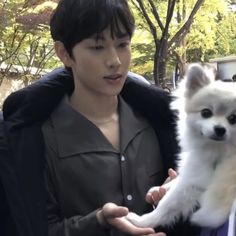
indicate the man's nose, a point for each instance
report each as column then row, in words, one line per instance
column 113, row 60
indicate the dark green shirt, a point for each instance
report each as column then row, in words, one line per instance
column 84, row 171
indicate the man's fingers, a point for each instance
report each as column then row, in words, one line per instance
column 160, row 234
column 161, row 193
column 149, row 196
column 115, row 216
column 157, row 234
column 172, row 173
column 125, row 226
column 155, row 194
column 111, row 210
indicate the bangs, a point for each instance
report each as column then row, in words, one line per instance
column 76, row 20
column 113, row 14
column 117, row 18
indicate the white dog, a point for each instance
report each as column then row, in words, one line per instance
column 205, row 188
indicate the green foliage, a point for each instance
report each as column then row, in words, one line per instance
column 226, row 41
column 203, row 36
column 26, row 41
column 141, row 60
column 212, row 33
column 25, row 35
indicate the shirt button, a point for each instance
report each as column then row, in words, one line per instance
column 122, row 158
column 129, row 197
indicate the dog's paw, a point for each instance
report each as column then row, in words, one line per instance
column 140, row 221
column 134, row 219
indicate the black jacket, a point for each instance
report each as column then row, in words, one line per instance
column 22, row 148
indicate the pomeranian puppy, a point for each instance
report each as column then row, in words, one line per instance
column 205, row 188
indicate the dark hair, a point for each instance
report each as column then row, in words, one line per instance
column 75, row 20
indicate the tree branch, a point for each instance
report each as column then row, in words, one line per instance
column 185, row 28
column 170, row 11
column 148, row 20
column 156, row 15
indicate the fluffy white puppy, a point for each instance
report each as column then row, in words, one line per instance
column 205, row 188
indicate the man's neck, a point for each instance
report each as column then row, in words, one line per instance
column 98, row 109
column 101, row 111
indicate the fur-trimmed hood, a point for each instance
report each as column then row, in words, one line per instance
column 35, row 102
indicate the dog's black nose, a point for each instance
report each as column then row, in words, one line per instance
column 219, row 130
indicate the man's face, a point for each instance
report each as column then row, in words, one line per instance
column 100, row 64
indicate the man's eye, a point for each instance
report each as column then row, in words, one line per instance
column 124, row 44
column 232, row 119
column 206, row 113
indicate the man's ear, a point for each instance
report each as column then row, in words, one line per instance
column 62, row 53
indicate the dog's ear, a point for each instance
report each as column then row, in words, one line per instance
column 198, row 76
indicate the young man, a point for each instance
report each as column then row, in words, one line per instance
column 106, row 140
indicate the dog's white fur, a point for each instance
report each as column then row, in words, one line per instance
column 207, row 165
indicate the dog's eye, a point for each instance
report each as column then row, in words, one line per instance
column 232, row 119
column 206, row 113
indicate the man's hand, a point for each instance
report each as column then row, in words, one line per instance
column 113, row 215
column 155, row 194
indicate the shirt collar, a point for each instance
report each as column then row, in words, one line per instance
column 131, row 124
column 76, row 134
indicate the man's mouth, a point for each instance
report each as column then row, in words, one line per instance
column 113, row 77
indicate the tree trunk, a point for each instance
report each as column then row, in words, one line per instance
column 164, row 44
column 161, row 60
column 159, row 65
column 181, row 59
